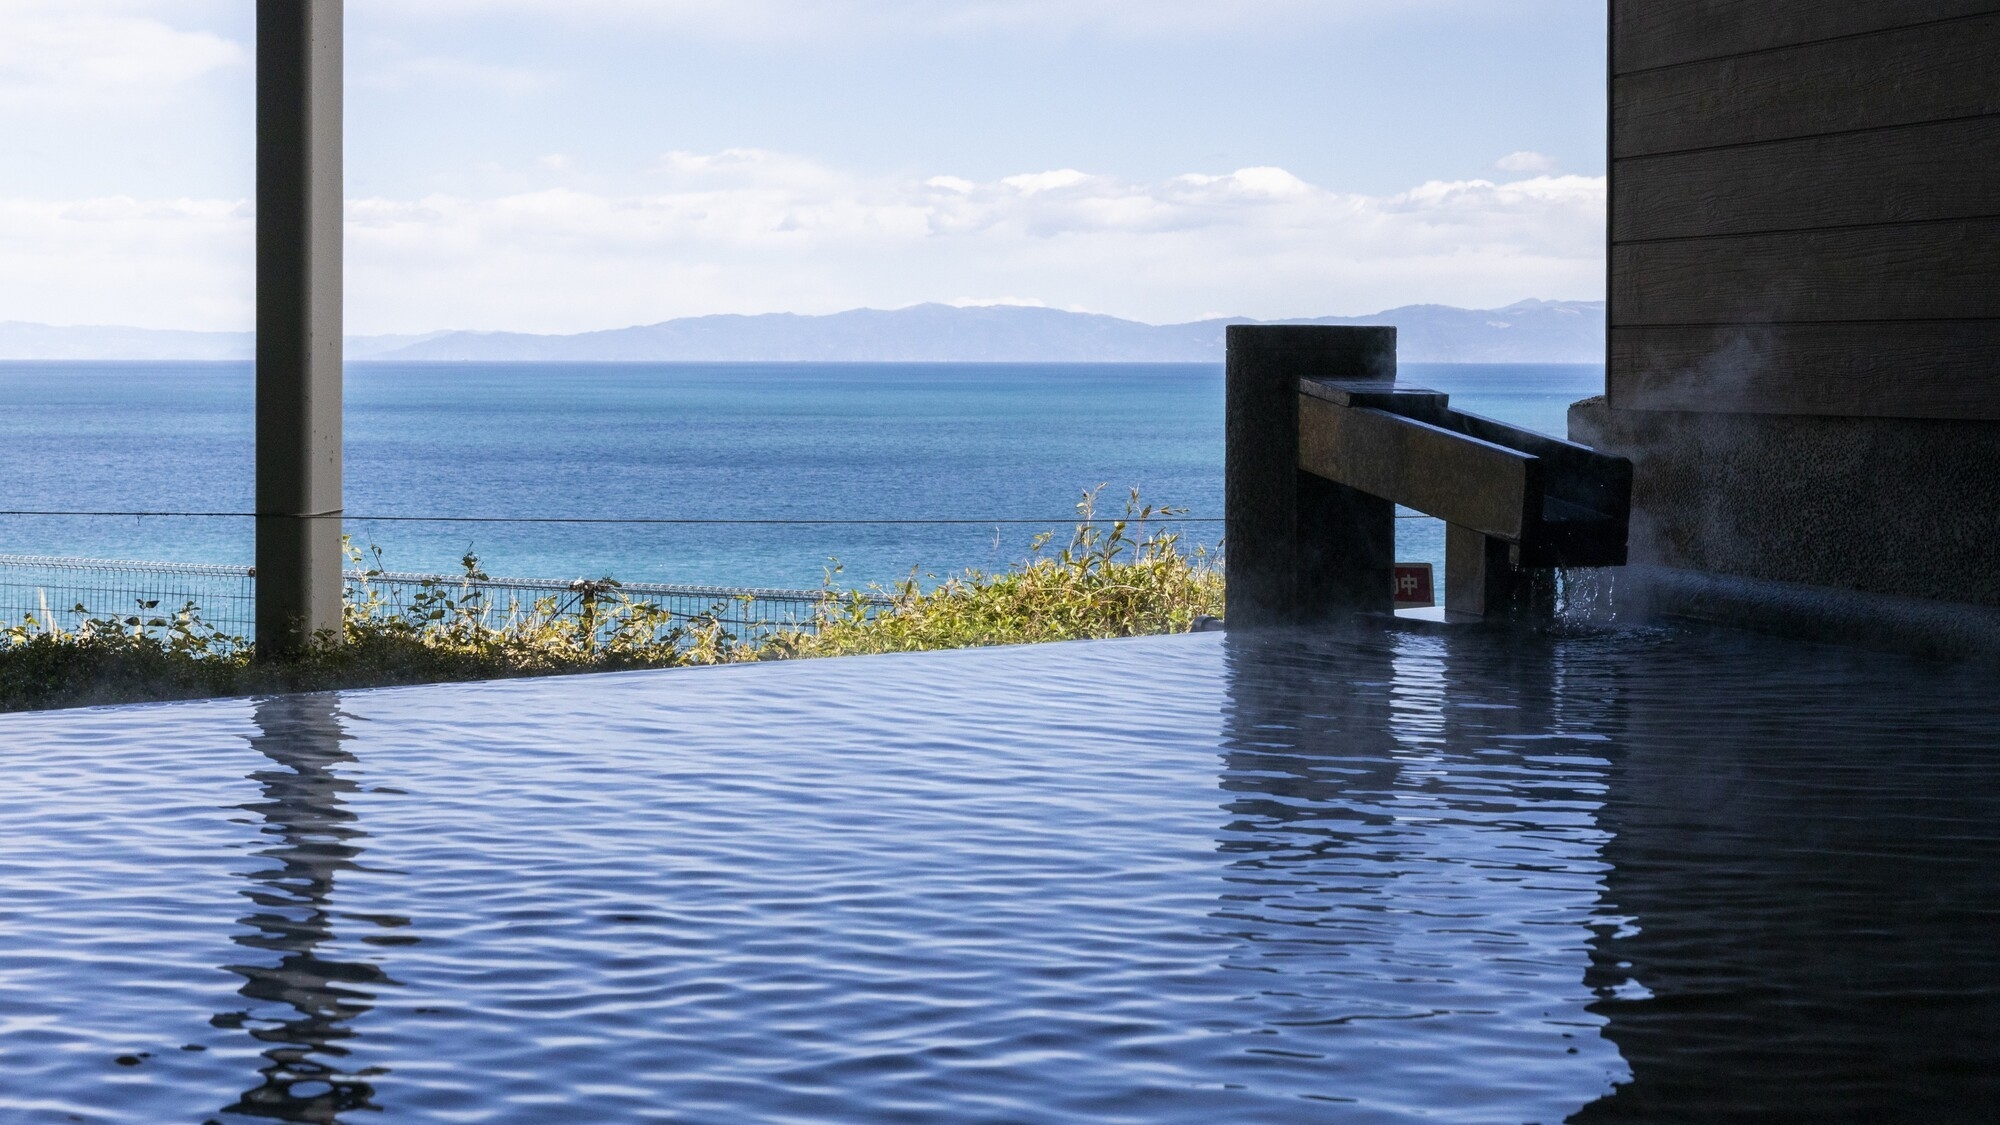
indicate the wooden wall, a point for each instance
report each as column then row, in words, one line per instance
column 1805, row 207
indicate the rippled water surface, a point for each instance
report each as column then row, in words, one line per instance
column 1645, row 876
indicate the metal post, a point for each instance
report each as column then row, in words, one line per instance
column 299, row 194
column 1299, row 548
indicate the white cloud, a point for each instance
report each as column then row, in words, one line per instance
column 1035, row 183
column 750, row 231
column 75, row 53
column 118, row 260
column 460, row 76
column 797, row 19
column 1529, row 163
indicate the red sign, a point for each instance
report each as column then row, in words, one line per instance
column 1413, row 586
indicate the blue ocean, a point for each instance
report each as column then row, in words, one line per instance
column 978, row 443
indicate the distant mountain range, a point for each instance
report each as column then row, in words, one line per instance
column 1527, row 332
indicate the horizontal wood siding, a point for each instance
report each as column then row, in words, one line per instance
column 1663, row 34
column 1805, row 207
column 1904, row 77
column 1920, row 271
column 1920, row 174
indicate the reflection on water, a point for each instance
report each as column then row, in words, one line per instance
column 302, row 1006
column 1416, row 869
column 1807, row 843
column 1767, row 871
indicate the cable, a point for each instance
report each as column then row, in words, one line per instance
column 141, row 515
column 1156, row 518
column 645, row 521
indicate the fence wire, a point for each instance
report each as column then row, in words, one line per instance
column 62, row 592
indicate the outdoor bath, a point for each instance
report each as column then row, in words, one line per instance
column 1338, row 876
column 1680, row 807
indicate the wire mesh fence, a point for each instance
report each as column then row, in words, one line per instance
column 62, row 592
column 743, row 611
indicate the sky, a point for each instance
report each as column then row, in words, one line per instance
column 568, row 165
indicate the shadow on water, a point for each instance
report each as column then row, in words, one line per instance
column 302, row 1005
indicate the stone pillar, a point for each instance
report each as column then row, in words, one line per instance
column 1299, row 548
column 1483, row 579
column 299, row 195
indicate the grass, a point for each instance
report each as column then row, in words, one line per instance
column 1123, row 579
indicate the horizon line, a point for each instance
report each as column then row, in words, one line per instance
column 436, row 332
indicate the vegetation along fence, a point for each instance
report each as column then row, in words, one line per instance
column 62, row 592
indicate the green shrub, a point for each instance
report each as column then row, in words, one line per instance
column 110, row 660
column 1122, row 582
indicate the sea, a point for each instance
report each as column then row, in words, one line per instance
column 972, row 461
